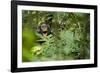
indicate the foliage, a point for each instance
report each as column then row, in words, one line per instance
column 69, row 40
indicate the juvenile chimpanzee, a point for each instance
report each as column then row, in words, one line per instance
column 44, row 29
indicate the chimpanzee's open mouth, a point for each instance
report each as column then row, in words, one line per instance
column 45, row 32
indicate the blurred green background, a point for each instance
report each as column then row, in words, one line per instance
column 70, row 38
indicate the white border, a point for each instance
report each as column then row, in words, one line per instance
column 53, row 63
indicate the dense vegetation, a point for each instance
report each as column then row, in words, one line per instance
column 70, row 38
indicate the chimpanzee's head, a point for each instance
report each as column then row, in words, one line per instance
column 44, row 29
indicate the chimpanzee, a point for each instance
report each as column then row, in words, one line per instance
column 44, row 29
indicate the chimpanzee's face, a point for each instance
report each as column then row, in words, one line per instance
column 44, row 27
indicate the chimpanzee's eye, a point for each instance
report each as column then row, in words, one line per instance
column 43, row 26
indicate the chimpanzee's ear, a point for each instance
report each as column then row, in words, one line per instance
column 49, row 29
column 39, row 29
